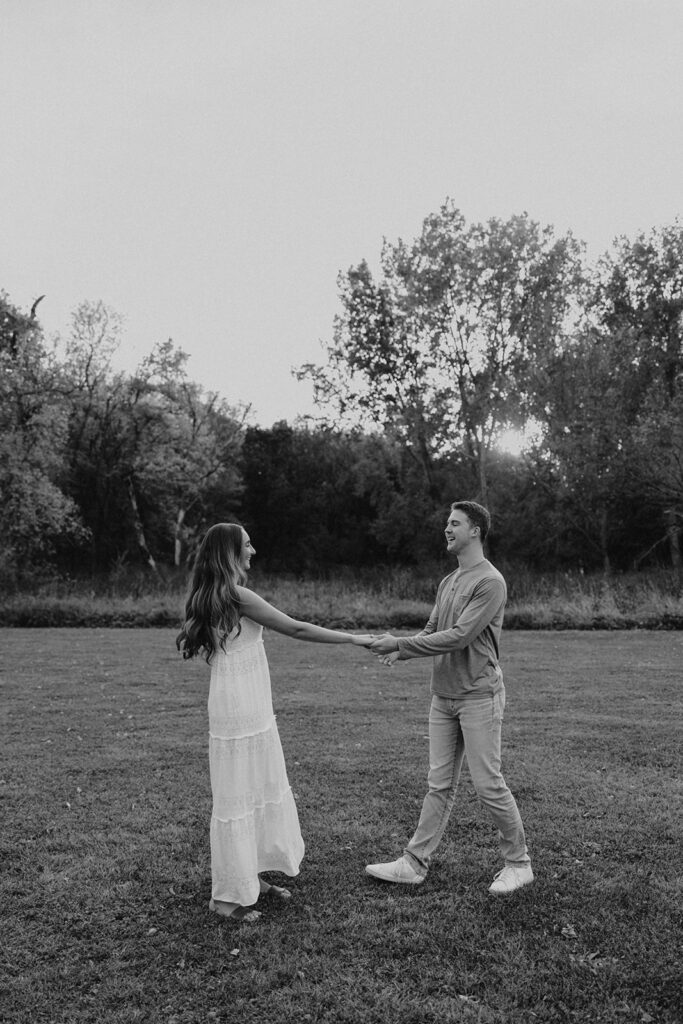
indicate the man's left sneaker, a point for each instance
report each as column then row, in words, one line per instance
column 401, row 871
column 511, row 878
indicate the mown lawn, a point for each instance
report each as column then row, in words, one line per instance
column 105, row 861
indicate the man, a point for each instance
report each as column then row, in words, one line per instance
column 468, row 698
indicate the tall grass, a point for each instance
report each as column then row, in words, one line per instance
column 374, row 598
column 572, row 600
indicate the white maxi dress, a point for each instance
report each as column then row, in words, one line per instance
column 254, row 822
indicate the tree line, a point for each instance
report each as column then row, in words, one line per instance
column 465, row 333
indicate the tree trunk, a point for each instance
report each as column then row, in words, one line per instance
column 483, row 476
column 606, row 564
column 673, row 532
column 139, row 528
column 177, row 539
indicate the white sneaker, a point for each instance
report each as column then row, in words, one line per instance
column 400, row 870
column 510, row 879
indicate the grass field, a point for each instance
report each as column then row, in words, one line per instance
column 105, row 860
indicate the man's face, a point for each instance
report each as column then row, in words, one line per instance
column 459, row 532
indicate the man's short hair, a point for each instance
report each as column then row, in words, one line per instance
column 477, row 515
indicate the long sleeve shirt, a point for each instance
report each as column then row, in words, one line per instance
column 463, row 634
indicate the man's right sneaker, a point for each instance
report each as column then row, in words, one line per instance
column 400, row 870
column 511, row 878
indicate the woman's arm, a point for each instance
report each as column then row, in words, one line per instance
column 255, row 608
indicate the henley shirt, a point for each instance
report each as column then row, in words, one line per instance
column 463, row 634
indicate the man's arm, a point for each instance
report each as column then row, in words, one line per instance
column 387, row 643
column 481, row 609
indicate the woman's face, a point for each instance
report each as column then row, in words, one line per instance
column 246, row 552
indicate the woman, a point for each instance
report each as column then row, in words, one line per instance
column 254, row 823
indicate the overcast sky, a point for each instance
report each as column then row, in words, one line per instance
column 207, row 167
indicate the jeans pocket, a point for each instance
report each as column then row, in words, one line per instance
column 499, row 706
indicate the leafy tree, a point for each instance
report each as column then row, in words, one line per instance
column 309, row 496
column 35, row 514
column 659, row 463
column 146, row 449
column 583, row 458
column 639, row 299
column 98, row 429
column 641, row 290
column 189, row 450
column 440, row 351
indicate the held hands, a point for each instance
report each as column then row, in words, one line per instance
column 384, row 644
column 385, row 647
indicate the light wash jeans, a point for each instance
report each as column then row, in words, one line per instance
column 457, row 729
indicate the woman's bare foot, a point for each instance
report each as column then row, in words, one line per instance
column 235, row 911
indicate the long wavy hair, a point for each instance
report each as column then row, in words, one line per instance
column 212, row 605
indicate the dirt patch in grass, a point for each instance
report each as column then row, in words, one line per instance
column 106, row 801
